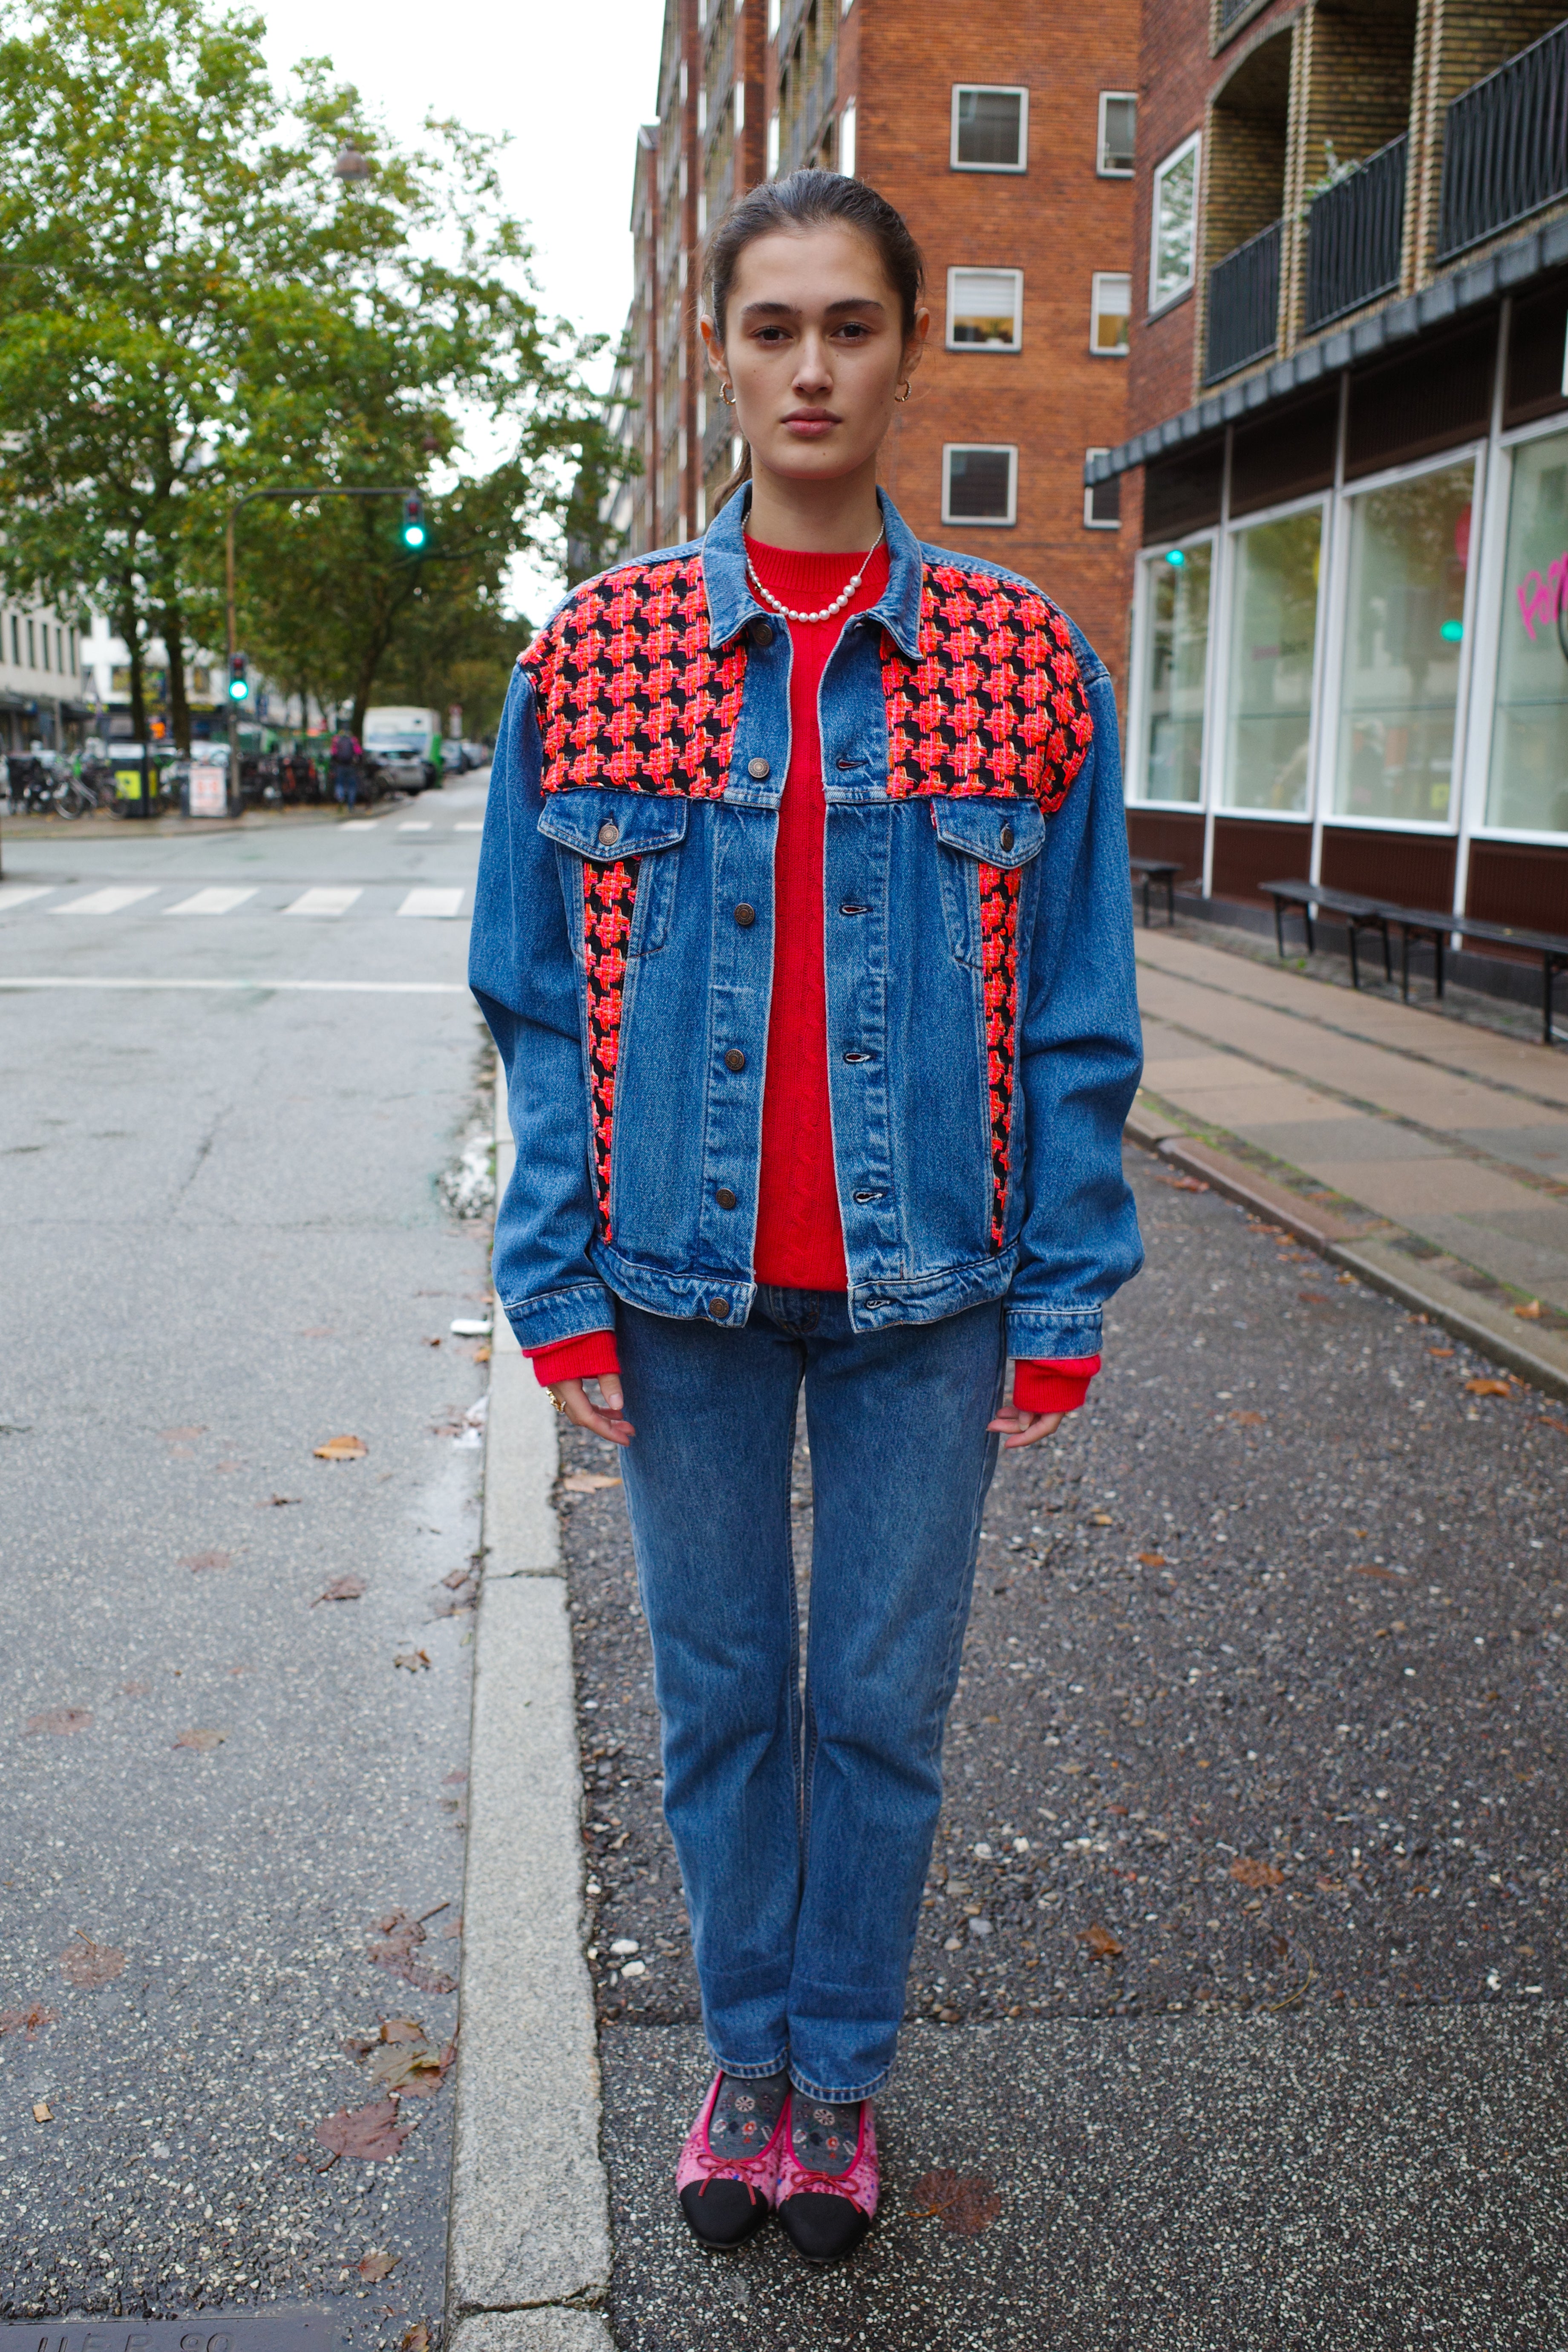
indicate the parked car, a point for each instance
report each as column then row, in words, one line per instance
column 404, row 744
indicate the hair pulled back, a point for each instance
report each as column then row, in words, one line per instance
column 808, row 200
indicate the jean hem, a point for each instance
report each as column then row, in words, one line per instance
column 839, row 2098
column 749, row 2073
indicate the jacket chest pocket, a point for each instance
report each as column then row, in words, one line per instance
column 620, row 861
column 982, row 848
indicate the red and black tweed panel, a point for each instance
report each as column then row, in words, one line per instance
column 994, row 702
column 609, row 897
column 999, row 962
column 630, row 693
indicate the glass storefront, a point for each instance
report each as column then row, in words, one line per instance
column 1273, row 639
column 1175, row 664
column 1528, row 782
column 1409, row 553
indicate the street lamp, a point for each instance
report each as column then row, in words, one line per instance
column 350, row 164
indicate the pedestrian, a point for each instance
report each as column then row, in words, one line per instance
column 345, row 755
column 803, row 927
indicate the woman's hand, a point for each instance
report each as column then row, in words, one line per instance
column 573, row 1399
column 1023, row 1428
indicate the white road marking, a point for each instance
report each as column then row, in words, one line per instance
column 305, row 987
column 212, row 902
column 359, row 824
column 16, row 894
column 110, row 901
column 323, row 902
column 431, row 902
column 467, row 828
column 414, row 824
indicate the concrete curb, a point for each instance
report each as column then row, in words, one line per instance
column 529, row 2232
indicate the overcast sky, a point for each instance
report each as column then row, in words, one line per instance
column 570, row 82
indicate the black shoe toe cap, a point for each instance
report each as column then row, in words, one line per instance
column 722, row 2213
column 823, row 2228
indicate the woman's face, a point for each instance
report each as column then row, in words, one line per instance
column 813, row 350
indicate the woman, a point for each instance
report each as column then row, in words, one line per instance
column 803, row 927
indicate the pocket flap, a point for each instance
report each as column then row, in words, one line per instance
column 1004, row 833
column 605, row 826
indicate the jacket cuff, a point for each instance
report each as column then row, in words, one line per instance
column 1060, row 1387
column 566, row 1314
column 590, row 1357
column 1052, row 1334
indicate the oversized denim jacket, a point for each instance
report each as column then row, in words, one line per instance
column 981, row 1014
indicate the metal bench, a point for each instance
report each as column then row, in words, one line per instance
column 1149, row 870
column 1357, row 913
column 1424, row 925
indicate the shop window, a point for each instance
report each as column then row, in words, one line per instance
column 979, row 483
column 1404, row 625
column 1528, row 784
column 846, row 137
column 1109, row 307
column 984, row 310
column 1176, row 667
column 990, row 128
column 1117, row 122
column 1174, row 226
column 1103, row 500
column 1273, row 642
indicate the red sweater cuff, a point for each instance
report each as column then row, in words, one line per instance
column 586, row 1358
column 1052, row 1384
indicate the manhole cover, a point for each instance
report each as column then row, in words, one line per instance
column 206, row 2331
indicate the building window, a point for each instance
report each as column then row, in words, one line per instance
column 1110, row 314
column 16, row 642
column 773, row 146
column 60, row 651
column 979, row 483
column 990, row 129
column 1103, row 500
column 846, row 140
column 1273, row 642
column 1528, row 787
column 740, row 106
column 32, row 648
column 1117, row 122
column 984, row 310
column 1173, row 227
column 1404, row 626
column 1175, row 670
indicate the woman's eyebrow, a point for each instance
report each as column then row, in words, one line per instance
column 790, row 310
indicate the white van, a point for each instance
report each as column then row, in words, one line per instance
column 405, row 744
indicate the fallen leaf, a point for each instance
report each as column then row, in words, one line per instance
column 1531, row 1314
column 1249, row 1420
column 414, row 1660
column 401, row 1936
column 432, row 1343
column 42, row 2112
column 964, row 2204
column 343, row 1449
column 416, row 2339
column 90, row 1965
column 27, row 2020
column 1249, row 1871
column 587, row 1482
column 203, row 1738
column 276, row 1502
column 1386, row 1575
column 455, row 1581
column 482, row 1354
column 1152, row 1559
column 1487, row 1388
column 1439, row 1351
column 1101, row 1943
column 63, row 1719
column 1313, row 1298
column 1101, row 1519
column 342, row 1587
column 371, row 2132
column 378, row 2266
column 1551, row 1423
column 1182, row 1183
column 417, row 2065
column 401, row 2029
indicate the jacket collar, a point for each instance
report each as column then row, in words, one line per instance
column 730, row 603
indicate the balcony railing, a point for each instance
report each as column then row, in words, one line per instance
column 1353, row 232
column 1244, row 305
column 1505, row 149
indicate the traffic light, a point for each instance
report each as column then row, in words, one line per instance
column 413, row 521
column 238, row 682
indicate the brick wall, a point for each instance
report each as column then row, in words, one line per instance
column 1174, row 75
column 1058, row 222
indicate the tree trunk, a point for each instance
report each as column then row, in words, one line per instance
column 174, row 652
column 130, row 632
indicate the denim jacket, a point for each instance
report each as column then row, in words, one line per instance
column 982, row 1022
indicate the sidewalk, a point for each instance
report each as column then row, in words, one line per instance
column 1429, row 1156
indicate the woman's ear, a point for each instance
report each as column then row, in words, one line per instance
column 714, row 348
column 917, row 341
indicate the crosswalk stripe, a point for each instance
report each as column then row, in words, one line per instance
column 431, row 902
column 110, row 901
column 414, row 824
column 212, row 902
column 16, row 894
column 359, row 824
column 323, row 902
column 464, row 826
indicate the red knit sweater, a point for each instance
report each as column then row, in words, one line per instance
column 800, row 1236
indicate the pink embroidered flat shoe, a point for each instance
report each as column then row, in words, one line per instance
column 728, row 2176
column 828, row 2177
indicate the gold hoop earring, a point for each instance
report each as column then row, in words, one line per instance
column 727, row 394
column 902, row 396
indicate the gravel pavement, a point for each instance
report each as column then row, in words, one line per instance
column 1251, row 1849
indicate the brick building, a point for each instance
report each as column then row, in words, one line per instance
column 1004, row 133
column 1346, row 476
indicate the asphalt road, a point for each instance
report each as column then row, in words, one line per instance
column 1241, row 1975
column 222, row 1244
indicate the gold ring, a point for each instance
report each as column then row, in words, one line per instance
column 557, row 1402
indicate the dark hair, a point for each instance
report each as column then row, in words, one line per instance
column 807, row 200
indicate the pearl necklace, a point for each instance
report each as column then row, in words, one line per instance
column 828, row 610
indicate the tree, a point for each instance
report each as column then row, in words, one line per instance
column 193, row 304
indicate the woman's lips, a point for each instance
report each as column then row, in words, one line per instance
column 809, row 427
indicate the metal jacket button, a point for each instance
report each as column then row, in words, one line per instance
column 734, row 1059
column 719, row 1308
column 725, row 1198
column 758, row 767
column 1007, row 837
column 761, row 633
column 609, row 833
column 745, row 916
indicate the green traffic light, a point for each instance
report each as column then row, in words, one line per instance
column 238, row 689
column 413, row 534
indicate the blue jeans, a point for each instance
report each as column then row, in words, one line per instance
column 804, row 1832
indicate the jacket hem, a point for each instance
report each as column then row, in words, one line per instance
column 1057, row 1332
column 561, row 1314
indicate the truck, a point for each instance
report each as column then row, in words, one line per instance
column 404, row 744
